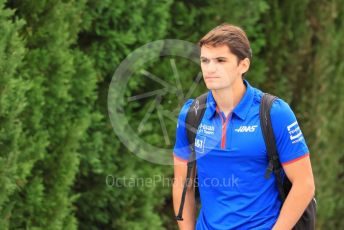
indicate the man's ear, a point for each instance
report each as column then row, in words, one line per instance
column 244, row 65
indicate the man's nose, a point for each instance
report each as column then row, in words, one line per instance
column 211, row 67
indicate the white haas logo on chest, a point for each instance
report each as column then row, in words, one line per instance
column 246, row 128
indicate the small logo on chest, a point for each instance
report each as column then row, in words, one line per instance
column 246, row 129
column 199, row 144
column 206, row 129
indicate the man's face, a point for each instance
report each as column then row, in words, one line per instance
column 220, row 67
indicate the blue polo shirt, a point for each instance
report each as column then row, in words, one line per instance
column 232, row 160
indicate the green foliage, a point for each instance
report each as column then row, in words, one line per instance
column 12, row 103
column 109, row 35
column 57, row 115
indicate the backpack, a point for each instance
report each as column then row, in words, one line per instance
column 193, row 119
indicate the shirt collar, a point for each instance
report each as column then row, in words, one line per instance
column 241, row 110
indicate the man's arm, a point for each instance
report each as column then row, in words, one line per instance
column 302, row 191
column 180, row 168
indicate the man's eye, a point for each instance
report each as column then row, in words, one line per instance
column 221, row 60
column 205, row 61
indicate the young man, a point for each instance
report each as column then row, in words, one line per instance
column 230, row 151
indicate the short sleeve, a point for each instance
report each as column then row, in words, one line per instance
column 181, row 148
column 290, row 141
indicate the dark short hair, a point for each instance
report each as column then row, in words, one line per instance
column 232, row 36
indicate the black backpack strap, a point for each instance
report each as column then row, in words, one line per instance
column 270, row 142
column 193, row 119
column 307, row 220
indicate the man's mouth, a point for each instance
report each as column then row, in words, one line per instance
column 210, row 77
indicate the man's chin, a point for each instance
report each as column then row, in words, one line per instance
column 212, row 87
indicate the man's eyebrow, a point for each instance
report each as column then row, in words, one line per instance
column 214, row 58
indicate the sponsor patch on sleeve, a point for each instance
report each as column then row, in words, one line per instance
column 295, row 133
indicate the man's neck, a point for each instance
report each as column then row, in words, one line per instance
column 228, row 98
